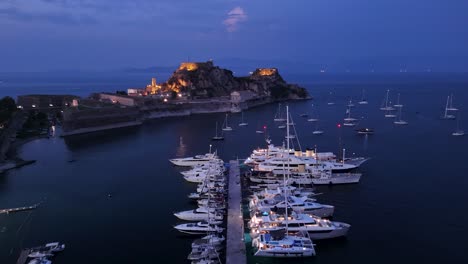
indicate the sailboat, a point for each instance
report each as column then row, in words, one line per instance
column 242, row 123
column 313, row 117
column 317, row 131
column 447, row 109
column 330, row 101
column 350, row 104
column 451, row 107
column 216, row 137
column 385, row 105
column 399, row 121
column 278, row 115
column 349, row 121
column 398, row 102
column 279, row 243
column 226, row 126
column 458, row 132
column 363, row 98
column 390, row 114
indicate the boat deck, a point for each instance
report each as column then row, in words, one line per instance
column 235, row 245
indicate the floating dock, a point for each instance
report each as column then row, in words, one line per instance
column 19, row 209
column 235, row 245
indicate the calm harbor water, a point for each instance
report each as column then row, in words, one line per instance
column 409, row 205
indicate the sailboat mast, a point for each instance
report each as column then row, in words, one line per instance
column 446, row 106
column 284, row 180
column 386, row 99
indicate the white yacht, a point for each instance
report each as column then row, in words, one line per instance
column 317, row 228
column 199, row 228
column 298, row 204
column 327, row 177
column 296, row 163
column 451, row 107
column 198, row 215
column 203, row 252
column 196, row 160
column 281, row 245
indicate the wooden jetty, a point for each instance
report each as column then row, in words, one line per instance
column 235, row 245
column 19, row 209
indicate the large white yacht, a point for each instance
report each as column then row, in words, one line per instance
column 195, row 160
column 199, row 228
column 281, row 245
column 298, row 204
column 295, row 163
column 198, row 215
column 317, row 228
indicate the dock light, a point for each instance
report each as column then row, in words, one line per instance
column 165, row 100
column 20, row 107
column 264, row 127
column 339, row 125
column 33, row 105
column 51, row 105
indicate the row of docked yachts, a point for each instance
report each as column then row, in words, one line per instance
column 285, row 220
column 208, row 172
column 309, row 167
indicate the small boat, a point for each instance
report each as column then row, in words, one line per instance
column 349, row 124
column 40, row 254
column 259, row 132
column 199, row 228
column 365, row 131
column 400, row 121
column 279, row 244
column 330, row 101
column 350, row 104
column 349, row 119
column 304, row 115
column 398, row 102
column 282, row 126
column 458, row 132
column 242, row 123
column 363, row 98
column 451, row 107
column 226, row 126
column 317, row 131
column 217, row 137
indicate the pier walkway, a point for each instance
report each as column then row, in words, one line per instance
column 235, row 252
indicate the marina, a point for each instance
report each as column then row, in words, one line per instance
column 189, row 137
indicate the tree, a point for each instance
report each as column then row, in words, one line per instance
column 7, row 107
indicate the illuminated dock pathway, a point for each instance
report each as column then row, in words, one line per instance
column 235, row 252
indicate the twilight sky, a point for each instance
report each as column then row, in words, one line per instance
column 41, row 35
